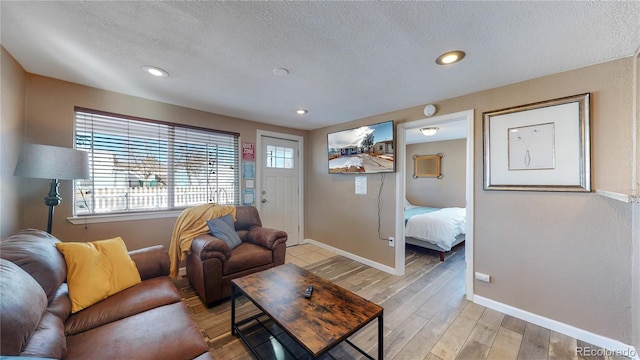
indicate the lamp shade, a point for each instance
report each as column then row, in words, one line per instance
column 52, row 162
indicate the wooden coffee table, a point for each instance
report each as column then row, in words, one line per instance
column 319, row 323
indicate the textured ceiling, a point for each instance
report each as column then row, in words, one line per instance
column 347, row 60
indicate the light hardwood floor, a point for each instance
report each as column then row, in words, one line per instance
column 426, row 315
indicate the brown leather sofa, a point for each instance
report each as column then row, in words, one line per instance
column 211, row 265
column 145, row 321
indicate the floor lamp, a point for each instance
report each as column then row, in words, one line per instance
column 55, row 163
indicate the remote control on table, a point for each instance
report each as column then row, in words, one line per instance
column 308, row 291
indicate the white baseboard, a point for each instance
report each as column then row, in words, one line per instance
column 612, row 345
column 351, row 256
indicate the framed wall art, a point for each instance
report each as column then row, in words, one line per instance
column 427, row 166
column 543, row 146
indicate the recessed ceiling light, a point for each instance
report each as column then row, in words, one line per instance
column 301, row 111
column 450, row 57
column 155, row 71
column 280, row 72
column 430, row 131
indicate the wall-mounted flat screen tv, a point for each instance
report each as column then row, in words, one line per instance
column 364, row 150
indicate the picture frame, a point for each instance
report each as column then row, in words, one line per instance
column 543, row 146
column 427, row 166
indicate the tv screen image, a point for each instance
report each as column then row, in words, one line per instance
column 364, row 150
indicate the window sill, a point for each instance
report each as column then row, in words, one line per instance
column 106, row 218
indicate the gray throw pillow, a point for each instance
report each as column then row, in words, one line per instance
column 223, row 229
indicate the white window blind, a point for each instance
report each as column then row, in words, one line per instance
column 143, row 165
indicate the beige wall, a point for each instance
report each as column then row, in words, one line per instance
column 635, row 184
column 49, row 113
column 559, row 255
column 13, row 97
column 335, row 215
column 446, row 192
column 564, row 256
column 636, row 211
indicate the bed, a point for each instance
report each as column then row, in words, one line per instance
column 437, row 229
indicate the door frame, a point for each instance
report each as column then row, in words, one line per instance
column 401, row 178
column 259, row 164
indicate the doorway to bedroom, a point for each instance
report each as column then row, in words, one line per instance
column 444, row 193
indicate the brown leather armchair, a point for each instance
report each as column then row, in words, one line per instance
column 211, row 264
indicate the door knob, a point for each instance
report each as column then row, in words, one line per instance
column 264, row 201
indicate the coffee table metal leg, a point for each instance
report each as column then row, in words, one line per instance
column 380, row 337
column 233, row 308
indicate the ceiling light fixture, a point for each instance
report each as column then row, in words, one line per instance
column 450, row 57
column 301, row 111
column 430, row 131
column 155, row 71
column 280, row 72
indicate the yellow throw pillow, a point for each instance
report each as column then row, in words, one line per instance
column 97, row 270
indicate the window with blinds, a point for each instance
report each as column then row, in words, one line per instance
column 144, row 165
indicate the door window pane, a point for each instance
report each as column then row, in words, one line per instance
column 279, row 157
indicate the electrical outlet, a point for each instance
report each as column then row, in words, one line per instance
column 392, row 241
column 483, row 277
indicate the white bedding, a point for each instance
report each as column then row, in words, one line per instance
column 439, row 227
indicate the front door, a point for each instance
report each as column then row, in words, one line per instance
column 279, row 193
